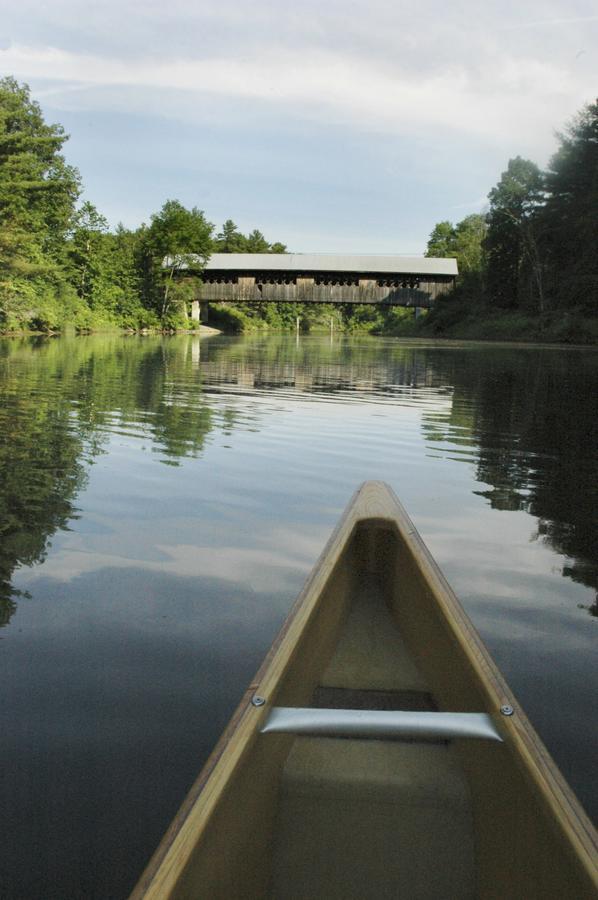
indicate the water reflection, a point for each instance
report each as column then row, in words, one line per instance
column 178, row 490
column 525, row 417
column 532, row 417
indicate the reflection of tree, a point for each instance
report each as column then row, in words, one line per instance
column 532, row 416
column 58, row 401
column 40, row 475
column 528, row 416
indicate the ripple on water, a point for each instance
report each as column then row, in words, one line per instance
column 162, row 501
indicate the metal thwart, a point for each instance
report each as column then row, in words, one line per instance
column 373, row 723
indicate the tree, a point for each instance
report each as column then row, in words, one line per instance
column 87, row 250
column 38, row 191
column 512, row 242
column 470, row 234
column 462, row 241
column 125, row 266
column 441, row 242
column 177, row 238
column 570, row 215
column 230, row 239
column 257, row 243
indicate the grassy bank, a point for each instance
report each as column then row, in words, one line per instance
column 454, row 317
column 461, row 318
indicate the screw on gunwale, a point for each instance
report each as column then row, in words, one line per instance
column 507, row 710
column 258, row 701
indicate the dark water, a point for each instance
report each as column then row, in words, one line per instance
column 162, row 500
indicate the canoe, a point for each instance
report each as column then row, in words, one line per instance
column 378, row 752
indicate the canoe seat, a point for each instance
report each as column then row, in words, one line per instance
column 372, row 819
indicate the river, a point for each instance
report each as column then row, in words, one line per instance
column 162, row 501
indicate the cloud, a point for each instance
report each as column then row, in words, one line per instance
column 478, row 203
column 542, row 23
column 324, row 85
column 270, row 111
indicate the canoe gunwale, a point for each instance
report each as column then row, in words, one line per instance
column 374, row 505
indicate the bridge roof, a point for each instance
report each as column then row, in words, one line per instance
column 330, row 262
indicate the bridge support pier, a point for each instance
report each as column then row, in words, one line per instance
column 199, row 312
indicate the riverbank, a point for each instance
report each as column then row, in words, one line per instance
column 453, row 319
column 459, row 319
column 202, row 331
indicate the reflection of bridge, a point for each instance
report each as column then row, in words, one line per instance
column 414, row 281
column 401, row 376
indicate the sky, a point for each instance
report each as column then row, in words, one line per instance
column 346, row 126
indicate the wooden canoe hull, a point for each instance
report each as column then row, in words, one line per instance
column 531, row 837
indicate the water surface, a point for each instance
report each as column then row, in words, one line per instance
column 163, row 499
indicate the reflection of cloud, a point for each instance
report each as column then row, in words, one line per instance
column 518, row 601
column 278, row 564
column 261, row 569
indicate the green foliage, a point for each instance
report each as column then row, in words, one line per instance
column 230, row 319
column 535, row 274
column 87, row 251
column 441, row 240
column 512, row 240
column 470, row 234
column 399, row 321
column 462, row 241
column 569, row 219
column 257, row 243
column 231, row 240
column 535, row 253
column 124, row 265
column 177, row 237
column 38, row 191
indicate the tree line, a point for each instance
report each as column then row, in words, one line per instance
column 532, row 259
column 529, row 266
column 59, row 261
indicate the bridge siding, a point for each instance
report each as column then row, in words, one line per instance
column 304, row 290
column 414, row 282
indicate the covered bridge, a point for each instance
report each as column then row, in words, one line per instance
column 414, row 281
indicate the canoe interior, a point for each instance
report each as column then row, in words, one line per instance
column 302, row 817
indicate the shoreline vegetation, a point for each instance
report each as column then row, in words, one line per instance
column 528, row 266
